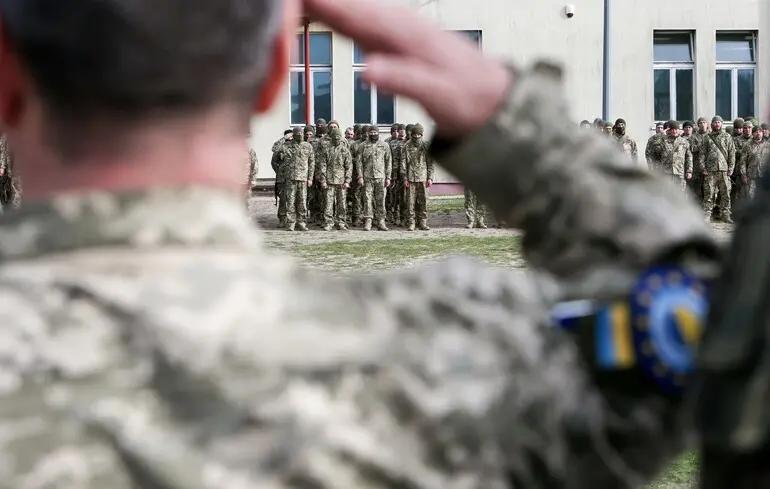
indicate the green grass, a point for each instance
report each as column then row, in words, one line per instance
column 373, row 255
column 383, row 254
column 446, row 205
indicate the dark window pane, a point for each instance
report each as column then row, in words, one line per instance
column 669, row 48
column 359, row 56
column 662, row 95
column 473, row 36
column 684, row 95
column 735, row 48
column 362, row 100
column 386, row 108
column 322, row 95
column 298, row 98
column 724, row 94
column 320, row 49
column 746, row 95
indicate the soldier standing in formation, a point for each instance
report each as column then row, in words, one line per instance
column 335, row 169
column 299, row 158
column 627, row 145
column 373, row 166
column 416, row 170
column 752, row 162
column 475, row 210
column 717, row 163
column 281, row 174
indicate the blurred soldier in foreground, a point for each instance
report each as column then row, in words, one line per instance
column 151, row 341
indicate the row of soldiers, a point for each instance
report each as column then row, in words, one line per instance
column 320, row 175
column 720, row 166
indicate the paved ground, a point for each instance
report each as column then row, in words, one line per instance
column 448, row 220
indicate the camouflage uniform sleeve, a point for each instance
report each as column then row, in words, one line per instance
column 648, row 153
column 253, row 167
column 388, row 164
column 731, row 156
column 429, row 163
column 580, row 205
column 688, row 165
column 311, row 168
column 348, row 166
column 634, row 152
column 357, row 163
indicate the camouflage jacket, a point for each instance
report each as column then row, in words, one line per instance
column 336, row 165
column 652, row 151
column 753, row 158
column 696, row 142
column 153, row 340
column 253, row 167
column 395, row 154
column 374, row 161
column 717, row 152
column 676, row 156
column 297, row 161
column 628, row 146
column 416, row 163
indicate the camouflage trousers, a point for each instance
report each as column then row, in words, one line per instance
column 296, row 202
column 374, row 199
column 751, row 187
column 679, row 181
column 696, row 187
column 335, row 196
column 417, row 195
column 716, row 181
column 357, row 202
column 316, row 202
column 475, row 211
column 398, row 204
column 281, row 200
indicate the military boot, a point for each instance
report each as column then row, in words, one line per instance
column 290, row 227
column 424, row 226
column 281, row 223
column 410, row 226
column 469, row 226
column 302, row 226
column 381, row 225
column 726, row 218
column 342, row 226
column 367, row 225
column 328, row 227
column 481, row 224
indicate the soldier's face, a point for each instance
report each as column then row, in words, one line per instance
column 333, row 126
column 308, row 135
column 673, row 132
column 416, row 137
column 688, row 131
column 737, row 131
column 702, row 126
column 748, row 130
column 348, row 134
column 336, row 139
column 766, row 133
column 607, row 130
column 659, row 129
column 758, row 136
column 716, row 126
column 401, row 133
column 585, row 126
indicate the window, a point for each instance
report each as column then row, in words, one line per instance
column 673, row 76
column 370, row 106
column 320, row 78
column 473, row 36
column 736, row 74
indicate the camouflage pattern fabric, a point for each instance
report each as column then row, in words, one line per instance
column 628, row 146
column 696, row 183
column 475, row 211
column 335, row 170
column 652, row 153
column 753, row 159
column 416, row 168
column 151, row 340
column 374, row 163
column 10, row 182
column 717, row 154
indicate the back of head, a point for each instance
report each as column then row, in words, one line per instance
column 124, row 61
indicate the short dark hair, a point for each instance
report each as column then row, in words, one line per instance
column 126, row 60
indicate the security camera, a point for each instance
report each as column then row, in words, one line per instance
column 569, row 11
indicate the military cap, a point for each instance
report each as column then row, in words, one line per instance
column 322, row 130
column 308, row 129
column 756, row 129
column 320, row 122
column 584, row 122
column 688, row 124
column 608, row 124
column 702, row 119
column 333, row 122
column 765, row 126
column 409, row 127
column 335, row 132
column 672, row 124
column 738, row 123
column 357, row 128
column 288, row 131
column 298, row 134
column 394, row 127
column 401, row 127
column 620, row 121
column 598, row 122
column 665, row 125
column 418, row 129
column 717, row 118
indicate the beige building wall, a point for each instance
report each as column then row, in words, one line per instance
column 522, row 32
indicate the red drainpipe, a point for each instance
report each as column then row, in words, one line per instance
column 308, row 115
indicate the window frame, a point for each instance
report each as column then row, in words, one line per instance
column 314, row 68
column 360, row 67
column 734, row 67
column 672, row 67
